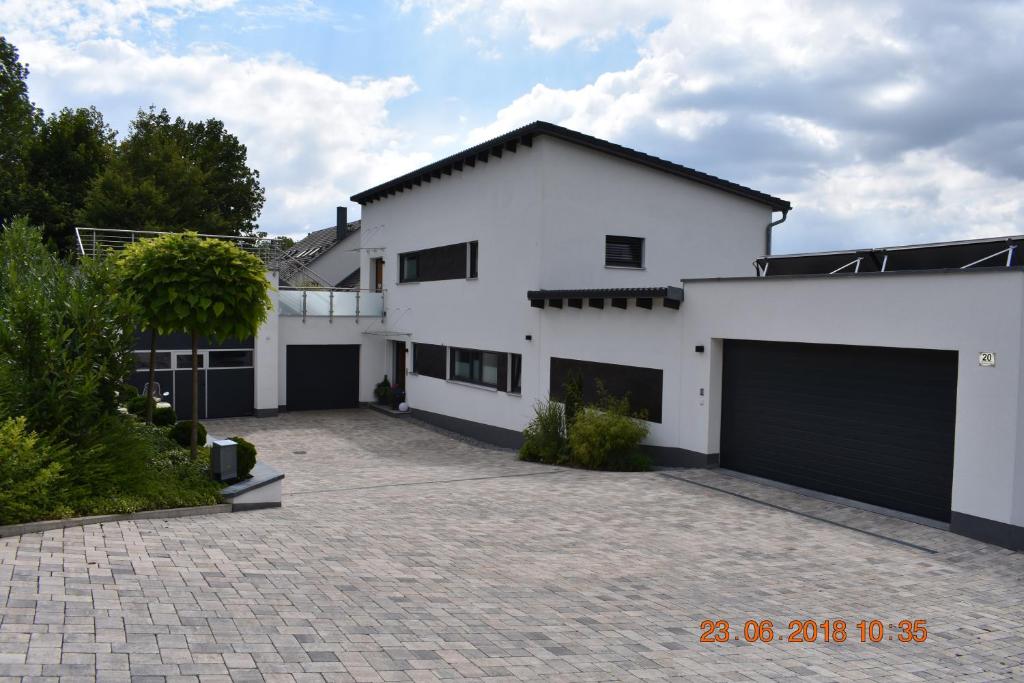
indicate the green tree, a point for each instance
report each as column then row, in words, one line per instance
column 71, row 148
column 178, row 176
column 204, row 287
column 66, row 337
column 18, row 121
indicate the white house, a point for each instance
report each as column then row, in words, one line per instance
column 887, row 377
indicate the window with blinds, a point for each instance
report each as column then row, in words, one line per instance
column 623, row 252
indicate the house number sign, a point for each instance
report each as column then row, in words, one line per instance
column 987, row 359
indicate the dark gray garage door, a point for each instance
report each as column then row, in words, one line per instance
column 867, row 423
column 323, row 377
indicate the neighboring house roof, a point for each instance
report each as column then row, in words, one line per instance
column 351, row 281
column 524, row 136
column 313, row 245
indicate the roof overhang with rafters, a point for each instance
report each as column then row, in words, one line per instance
column 642, row 297
column 511, row 141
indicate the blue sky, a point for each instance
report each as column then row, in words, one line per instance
column 883, row 122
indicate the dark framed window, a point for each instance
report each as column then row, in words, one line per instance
column 643, row 386
column 515, row 373
column 428, row 360
column 163, row 360
column 231, row 359
column 623, row 252
column 410, row 271
column 477, row 367
column 450, row 262
column 184, row 361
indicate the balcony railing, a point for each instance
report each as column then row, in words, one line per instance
column 98, row 241
column 330, row 302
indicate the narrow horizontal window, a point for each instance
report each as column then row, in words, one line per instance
column 476, row 367
column 184, row 361
column 231, row 359
column 641, row 386
column 450, row 262
column 624, row 252
column 163, row 360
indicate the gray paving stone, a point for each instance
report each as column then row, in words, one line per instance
column 403, row 555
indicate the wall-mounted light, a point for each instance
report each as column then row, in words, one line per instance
column 699, row 348
column 529, row 337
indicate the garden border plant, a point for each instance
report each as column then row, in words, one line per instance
column 67, row 332
column 605, row 435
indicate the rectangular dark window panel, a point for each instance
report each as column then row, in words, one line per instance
column 409, row 268
column 474, row 252
column 163, row 360
column 231, row 359
column 185, row 361
column 428, row 360
column 515, row 379
column 643, row 386
column 450, row 262
column 624, row 252
column 475, row 367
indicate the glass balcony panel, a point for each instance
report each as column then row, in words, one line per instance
column 290, row 301
column 344, row 303
column 371, row 303
column 318, row 302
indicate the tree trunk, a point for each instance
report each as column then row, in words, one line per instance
column 152, row 377
column 195, row 395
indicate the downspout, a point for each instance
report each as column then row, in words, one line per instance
column 768, row 232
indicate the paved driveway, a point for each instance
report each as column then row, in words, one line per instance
column 402, row 554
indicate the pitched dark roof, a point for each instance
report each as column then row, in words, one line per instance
column 525, row 135
column 317, row 242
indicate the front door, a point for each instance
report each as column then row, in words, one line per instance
column 400, row 364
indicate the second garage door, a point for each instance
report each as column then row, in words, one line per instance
column 867, row 423
column 322, row 377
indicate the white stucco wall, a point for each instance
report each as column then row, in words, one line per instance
column 690, row 229
column 965, row 312
column 266, row 354
column 540, row 216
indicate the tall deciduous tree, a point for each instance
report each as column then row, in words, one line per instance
column 204, row 287
column 70, row 149
column 18, row 121
column 176, row 175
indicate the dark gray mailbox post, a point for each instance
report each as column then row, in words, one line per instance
column 224, row 460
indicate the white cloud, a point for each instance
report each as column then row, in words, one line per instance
column 73, row 20
column 315, row 139
column 877, row 119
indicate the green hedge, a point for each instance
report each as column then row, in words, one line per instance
column 246, row 456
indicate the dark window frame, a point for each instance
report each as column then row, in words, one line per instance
column 627, row 251
column 458, row 261
column 515, row 373
column 142, row 360
column 215, row 354
column 501, row 368
column 429, row 360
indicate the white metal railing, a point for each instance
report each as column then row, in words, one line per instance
column 330, row 302
column 97, row 241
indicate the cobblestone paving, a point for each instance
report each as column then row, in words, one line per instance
column 401, row 554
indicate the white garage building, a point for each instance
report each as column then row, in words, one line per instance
column 889, row 377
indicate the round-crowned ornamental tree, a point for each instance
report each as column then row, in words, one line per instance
column 203, row 287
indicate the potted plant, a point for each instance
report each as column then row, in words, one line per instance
column 383, row 391
column 397, row 396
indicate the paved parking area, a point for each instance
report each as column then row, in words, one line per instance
column 402, row 554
